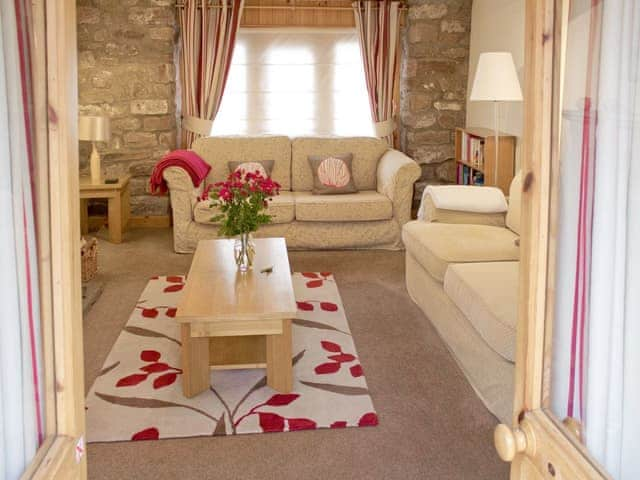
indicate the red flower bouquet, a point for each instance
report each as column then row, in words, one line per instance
column 242, row 200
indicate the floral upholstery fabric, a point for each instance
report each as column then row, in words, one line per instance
column 219, row 151
column 281, row 209
column 355, row 207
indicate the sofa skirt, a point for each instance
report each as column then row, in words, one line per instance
column 382, row 234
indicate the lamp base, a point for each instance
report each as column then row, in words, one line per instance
column 94, row 165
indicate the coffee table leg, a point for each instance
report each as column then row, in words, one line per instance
column 279, row 369
column 195, row 363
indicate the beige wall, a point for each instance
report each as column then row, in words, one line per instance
column 497, row 25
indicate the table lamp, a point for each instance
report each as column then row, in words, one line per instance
column 94, row 129
column 496, row 81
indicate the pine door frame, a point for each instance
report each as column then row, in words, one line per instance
column 56, row 184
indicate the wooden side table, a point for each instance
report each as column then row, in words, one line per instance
column 118, row 206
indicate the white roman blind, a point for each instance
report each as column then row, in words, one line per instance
column 295, row 82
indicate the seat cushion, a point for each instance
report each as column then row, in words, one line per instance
column 436, row 245
column 366, row 153
column 367, row 205
column 219, row 151
column 487, row 294
column 281, row 208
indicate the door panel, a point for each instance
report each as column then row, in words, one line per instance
column 539, row 445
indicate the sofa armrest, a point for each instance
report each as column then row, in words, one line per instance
column 396, row 175
column 183, row 194
column 473, row 196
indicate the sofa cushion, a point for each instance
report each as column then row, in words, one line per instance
column 366, row 154
column 219, row 151
column 347, row 207
column 487, row 294
column 263, row 167
column 281, row 208
column 515, row 203
column 332, row 174
column 436, row 245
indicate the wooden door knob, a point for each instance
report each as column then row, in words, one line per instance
column 509, row 442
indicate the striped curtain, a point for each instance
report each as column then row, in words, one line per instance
column 596, row 345
column 21, row 409
column 378, row 26
column 208, row 34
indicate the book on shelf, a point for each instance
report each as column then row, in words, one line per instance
column 481, row 160
column 472, row 150
column 468, row 176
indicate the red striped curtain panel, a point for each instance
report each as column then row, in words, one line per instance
column 21, row 409
column 378, row 26
column 208, row 34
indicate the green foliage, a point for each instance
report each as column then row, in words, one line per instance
column 241, row 214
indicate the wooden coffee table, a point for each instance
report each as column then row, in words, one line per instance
column 231, row 320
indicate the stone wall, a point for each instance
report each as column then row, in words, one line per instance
column 126, row 70
column 433, row 85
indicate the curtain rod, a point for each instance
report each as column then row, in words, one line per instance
column 293, row 7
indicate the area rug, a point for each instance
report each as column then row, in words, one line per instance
column 138, row 393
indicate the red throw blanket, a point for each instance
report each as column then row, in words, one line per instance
column 189, row 161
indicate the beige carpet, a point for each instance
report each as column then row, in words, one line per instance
column 432, row 425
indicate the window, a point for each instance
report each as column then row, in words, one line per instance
column 295, row 82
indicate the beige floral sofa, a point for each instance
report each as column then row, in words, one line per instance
column 462, row 270
column 371, row 218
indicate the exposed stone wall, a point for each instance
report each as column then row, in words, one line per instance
column 126, row 70
column 433, row 85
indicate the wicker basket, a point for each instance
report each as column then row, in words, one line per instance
column 89, row 253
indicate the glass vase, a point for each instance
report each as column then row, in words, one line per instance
column 244, row 250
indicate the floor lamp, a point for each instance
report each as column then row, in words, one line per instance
column 496, row 81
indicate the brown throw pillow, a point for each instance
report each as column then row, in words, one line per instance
column 263, row 166
column 332, row 174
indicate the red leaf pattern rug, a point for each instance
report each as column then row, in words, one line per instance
column 138, row 393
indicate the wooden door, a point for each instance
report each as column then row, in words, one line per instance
column 54, row 74
column 539, row 445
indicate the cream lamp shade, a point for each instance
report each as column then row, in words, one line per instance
column 496, row 79
column 94, row 129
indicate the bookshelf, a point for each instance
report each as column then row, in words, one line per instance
column 475, row 158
